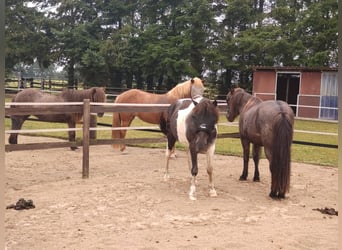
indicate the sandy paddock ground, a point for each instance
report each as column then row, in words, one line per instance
column 126, row 204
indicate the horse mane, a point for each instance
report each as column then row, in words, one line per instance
column 183, row 90
column 244, row 99
column 94, row 94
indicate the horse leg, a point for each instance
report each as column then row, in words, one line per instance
column 16, row 124
column 126, row 120
column 72, row 134
column 194, row 172
column 169, row 147
column 187, row 150
column 167, row 160
column 273, row 193
column 245, row 145
column 210, row 154
column 256, row 155
column 173, row 153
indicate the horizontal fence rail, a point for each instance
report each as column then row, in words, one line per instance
column 87, row 108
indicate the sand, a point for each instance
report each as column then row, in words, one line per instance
column 126, row 204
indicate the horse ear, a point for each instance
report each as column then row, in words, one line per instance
column 194, row 102
column 192, row 80
column 215, row 102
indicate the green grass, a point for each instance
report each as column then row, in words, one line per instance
column 227, row 146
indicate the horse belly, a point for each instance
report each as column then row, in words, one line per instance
column 52, row 118
column 250, row 132
column 153, row 118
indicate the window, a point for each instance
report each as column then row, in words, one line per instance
column 329, row 96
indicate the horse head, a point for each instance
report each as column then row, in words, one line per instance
column 197, row 87
column 202, row 129
column 98, row 95
column 233, row 101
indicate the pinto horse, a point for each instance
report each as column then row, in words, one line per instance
column 95, row 94
column 192, row 122
column 268, row 124
column 185, row 89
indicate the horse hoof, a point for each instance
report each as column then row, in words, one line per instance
column 212, row 193
column 166, row 177
column 192, row 197
column 274, row 195
column 256, row 179
column 243, row 178
column 281, row 196
column 192, row 193
column 73, row 148
column 12, row 141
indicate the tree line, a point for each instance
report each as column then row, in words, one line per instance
column 157, row 43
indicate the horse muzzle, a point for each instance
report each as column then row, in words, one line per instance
column 229, row 117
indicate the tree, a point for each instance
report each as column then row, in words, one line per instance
column 318, row 31
column 157, row 43
column 28, row 36
column 76, row 32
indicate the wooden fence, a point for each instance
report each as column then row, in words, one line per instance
column 87, row 108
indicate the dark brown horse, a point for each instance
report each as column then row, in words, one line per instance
column 268, row 124
column 194, row 124
column 186, row 89
column 94, row 94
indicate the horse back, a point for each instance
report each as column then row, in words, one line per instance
column 142, row 97
column 35, row 95
column 257, row 123
column 27, row 95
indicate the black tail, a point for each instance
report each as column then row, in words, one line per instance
column 280, row 164
column 163, row 124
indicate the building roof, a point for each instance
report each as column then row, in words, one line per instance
column 292, row 68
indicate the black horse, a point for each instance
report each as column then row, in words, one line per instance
column 193, row 122
column 94, row 94
column 268, row 124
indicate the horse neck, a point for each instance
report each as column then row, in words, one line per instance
column 248, row 102
column 181, row 90
column 76, row 95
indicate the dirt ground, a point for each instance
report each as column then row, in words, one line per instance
column 126, row 204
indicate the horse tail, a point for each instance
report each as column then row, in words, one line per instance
column 163, row 124
column 280, row 163
column 116, row 122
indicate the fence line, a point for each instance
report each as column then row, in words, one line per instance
column 87, row 108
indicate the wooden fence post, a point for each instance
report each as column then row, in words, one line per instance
column 85, row 141
column 93, row 124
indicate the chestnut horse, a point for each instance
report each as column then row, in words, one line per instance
column 186, row 89
column 192, row 122
column 94, row 94
column 268, row 124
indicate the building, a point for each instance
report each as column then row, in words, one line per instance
column 311, row 92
